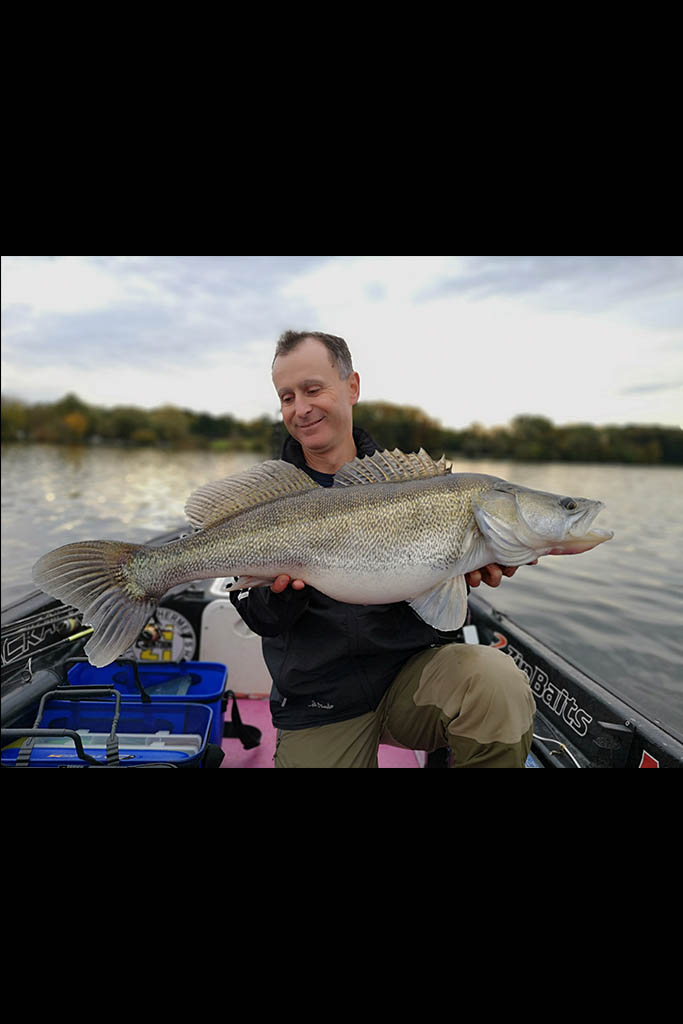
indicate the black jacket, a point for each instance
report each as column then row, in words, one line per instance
column 329, row 661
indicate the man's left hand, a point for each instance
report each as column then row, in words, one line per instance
column 492, row 575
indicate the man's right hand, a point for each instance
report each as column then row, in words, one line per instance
column 282, row 582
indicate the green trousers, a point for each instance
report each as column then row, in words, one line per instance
column 471, row 699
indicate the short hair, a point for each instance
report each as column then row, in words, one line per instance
column 337, row 347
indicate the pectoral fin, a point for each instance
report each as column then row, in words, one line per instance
column 445, row 605
column 249, row 583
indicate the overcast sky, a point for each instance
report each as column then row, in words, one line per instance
column 465, row 338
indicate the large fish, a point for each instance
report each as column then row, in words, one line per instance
column 393, row 527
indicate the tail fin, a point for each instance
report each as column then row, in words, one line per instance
column 92, row 576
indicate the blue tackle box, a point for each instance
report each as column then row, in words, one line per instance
column 201, row 682
column 115, row 732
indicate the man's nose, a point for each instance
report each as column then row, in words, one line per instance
column 302, row 406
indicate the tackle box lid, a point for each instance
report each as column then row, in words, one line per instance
column 187, row 680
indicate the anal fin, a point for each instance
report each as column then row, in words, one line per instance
column 443, row 606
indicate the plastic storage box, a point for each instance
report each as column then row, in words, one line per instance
column 201, row 682
column 152, row 733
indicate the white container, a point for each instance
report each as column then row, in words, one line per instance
column 226, row 638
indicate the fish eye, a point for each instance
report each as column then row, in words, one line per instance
column 569, row 504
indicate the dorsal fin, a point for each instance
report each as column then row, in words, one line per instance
column 390, row 467
column 268, row 481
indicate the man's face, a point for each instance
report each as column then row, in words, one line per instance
column 316, row 403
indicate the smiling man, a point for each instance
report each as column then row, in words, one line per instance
column 317, row 396
column 347, row 677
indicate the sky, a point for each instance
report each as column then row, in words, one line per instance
column 578, row 339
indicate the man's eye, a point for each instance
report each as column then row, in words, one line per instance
column 313, row 391
column 285, row 399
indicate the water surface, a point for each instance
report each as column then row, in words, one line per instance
column 616, row 611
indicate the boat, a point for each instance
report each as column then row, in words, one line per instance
column 196, row 638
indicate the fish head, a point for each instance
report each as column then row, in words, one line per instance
column 518, row 522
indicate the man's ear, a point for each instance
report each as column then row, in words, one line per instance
column 353, row 381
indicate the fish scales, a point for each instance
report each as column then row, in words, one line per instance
column 394, row 527
column 357, row 530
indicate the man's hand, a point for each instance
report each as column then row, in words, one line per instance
column 282, row 582
column 492, row 575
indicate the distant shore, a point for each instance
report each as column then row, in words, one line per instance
column 70, row 421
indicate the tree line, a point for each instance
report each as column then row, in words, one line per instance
column 528, row 438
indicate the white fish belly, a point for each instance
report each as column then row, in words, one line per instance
column 374, row 587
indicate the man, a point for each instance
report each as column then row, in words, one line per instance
column 347, row 677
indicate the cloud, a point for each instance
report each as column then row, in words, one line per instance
column 464, row 357
column 106, row 311
column 587, row 283
column 642, row 389
column 465, row 338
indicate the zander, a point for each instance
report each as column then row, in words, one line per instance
column 394, row 527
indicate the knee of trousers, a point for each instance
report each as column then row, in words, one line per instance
column 481, row 693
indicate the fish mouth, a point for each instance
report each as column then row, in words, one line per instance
column 583, row 521
column 580, row 538
column 577, row 545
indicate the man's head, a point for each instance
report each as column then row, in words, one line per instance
column 317, row 387
column 337, row 348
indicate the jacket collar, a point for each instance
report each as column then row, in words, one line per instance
column 293, row 452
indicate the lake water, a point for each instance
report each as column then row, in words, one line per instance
column 616, row 611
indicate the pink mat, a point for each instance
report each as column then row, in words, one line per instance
column 257, row 712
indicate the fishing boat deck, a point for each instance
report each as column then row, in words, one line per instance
column 256, row 711
column 581, row 722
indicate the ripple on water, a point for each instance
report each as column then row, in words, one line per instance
column 614, row 611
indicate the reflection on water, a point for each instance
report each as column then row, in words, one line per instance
column 614, row 611
column 52, row 495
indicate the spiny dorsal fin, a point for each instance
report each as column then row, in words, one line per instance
column 390, row 467
column 268, row 481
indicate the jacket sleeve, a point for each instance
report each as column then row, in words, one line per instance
column 269, row 614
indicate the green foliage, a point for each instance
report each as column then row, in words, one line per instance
column 531, row 438
column 527, row 437
column 399, row 426
column 15, row 420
